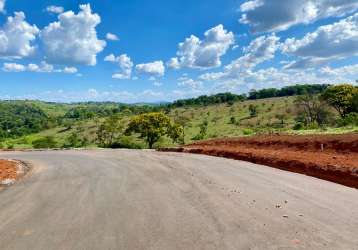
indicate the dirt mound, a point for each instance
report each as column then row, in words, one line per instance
column 336, row 143
column 329, row 157
column 10, row 171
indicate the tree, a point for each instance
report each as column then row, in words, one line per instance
column 110, row 130
column 75, row 141
column 313, row 109
column 253, row 110
column 152, row 126
column 176, row 133
column 184, row 122
column 342, row 98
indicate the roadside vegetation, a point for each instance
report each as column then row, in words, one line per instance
column 299, row 109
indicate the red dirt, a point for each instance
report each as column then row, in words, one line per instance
column 338, row 162
column 8, row 170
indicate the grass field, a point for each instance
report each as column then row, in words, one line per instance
column 274, row 115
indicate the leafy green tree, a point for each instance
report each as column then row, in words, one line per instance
column 184, row 122
column 176, row 133
column 152, row 126
column 18, row 118
column 110, row 130
column 342, row 98
column 75, row 141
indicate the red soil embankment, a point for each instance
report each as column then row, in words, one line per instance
column 337, row 162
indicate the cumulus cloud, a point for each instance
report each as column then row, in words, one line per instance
column 16, row 37
column 261, row 49
column 43, row 67
column 278, row 15
column 73, row 38
column 2, row 6
column 154, row 68
column 329, row 42
column 206, row 53
column 112, row 37
column 70, row 70
column 125, row 64
column 348, row 70
column 13, row 67
column 55, row 9
column 189, row 83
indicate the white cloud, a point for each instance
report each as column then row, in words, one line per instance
column 206, row 53
column 278, row 15
column 157, row 84
column 189, row 83
column 261, row 49
column 329, row 42
column 125, row 64
column 73, row 38
column 153, row 68
column 110, row 58
column 16, row 37
column 70, row 70
column 43, row 67
column 2, row 6
column 55, row 9
column 112, row 37
column 349, row 70
column 13, row 67
column 93, row 93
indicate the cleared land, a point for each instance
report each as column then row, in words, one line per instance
column 121, row 199
column 329, row 157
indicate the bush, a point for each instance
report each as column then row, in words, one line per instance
column 198, row 137
column 45, row 142
column 126, row 142
column 248, row 131
column 350, row 119
column 253, row 110
column 299, row 126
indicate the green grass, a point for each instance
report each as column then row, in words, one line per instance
column 274, row 115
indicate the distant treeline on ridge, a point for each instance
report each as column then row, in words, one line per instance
column 253, row 95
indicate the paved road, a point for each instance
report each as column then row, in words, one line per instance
column 149, row 200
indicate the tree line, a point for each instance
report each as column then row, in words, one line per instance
column 230, row 98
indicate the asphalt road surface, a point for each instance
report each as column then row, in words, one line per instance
column 122, row 199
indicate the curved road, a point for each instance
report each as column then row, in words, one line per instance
column 122, row 199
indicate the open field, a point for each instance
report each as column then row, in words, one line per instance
column 329, row 157
column 128, row 199
column 274, row 115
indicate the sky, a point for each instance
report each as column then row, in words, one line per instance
column 155, row 51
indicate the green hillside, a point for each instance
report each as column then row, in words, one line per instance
column 223, row 115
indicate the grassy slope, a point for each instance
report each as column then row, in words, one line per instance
column 218, row 117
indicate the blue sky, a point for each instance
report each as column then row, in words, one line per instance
column 149, row 51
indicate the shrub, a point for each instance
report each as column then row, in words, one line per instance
column 45, row 142
column 299, row 126
column 248, row 131
column 350, row 119
column 126, row 142
column 253, row 110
